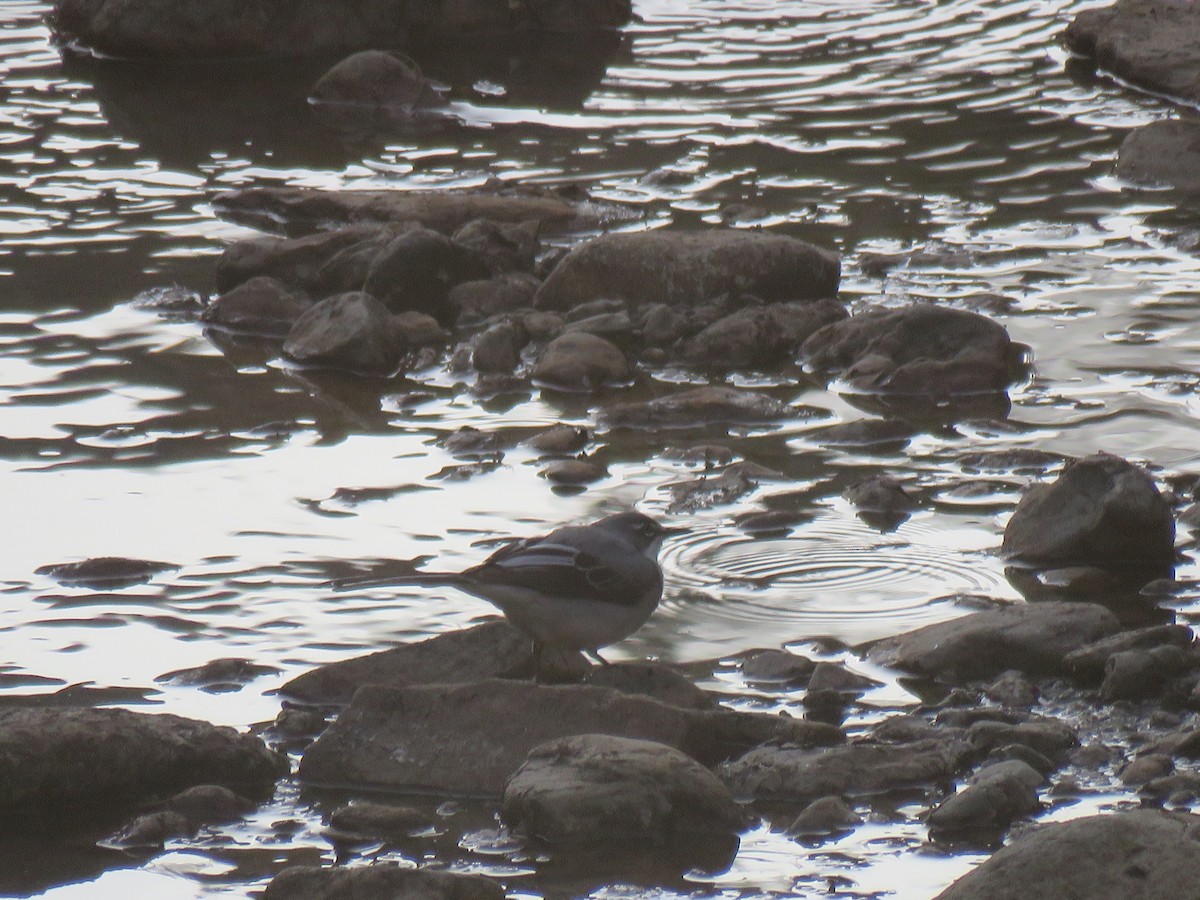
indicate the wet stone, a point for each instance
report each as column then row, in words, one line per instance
column 1163, row 154
column 352, row 332
column 377, row 820
column 151, row 831
column 379, row 880
column 475, row 301
column 695, row 407
column 828, row 815
column 1088, row 663
column 994, row 796
column 220, row 675
column 650, row 679
column 574, row 471
column 1141, row 674
column 375, row 80
column 263, row 306
column 864, row 433
column 777, row 666
column 581, row 362
column 827, row 676
column 105, row 572
column 560, row 439
column 1146, row 768
column 597, row 787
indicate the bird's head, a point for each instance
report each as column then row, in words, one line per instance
column 640, row 531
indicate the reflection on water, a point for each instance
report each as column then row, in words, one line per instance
column 875, row 128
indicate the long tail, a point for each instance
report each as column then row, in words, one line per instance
column 452, row 579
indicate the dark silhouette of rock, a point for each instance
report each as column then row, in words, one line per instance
column 591, row 788
column 1138, row 855
column 828, row 815
column 498, row 349
column 780, row 773
column 466, row 739
column 1033, row 638
column 1163, row 154
column 262, row 306
column 502, row 246
column 1088, row 663
column 378, row 880
column 1152, row 44
column 474, row 301
column 993, row 797
column 689, row 268
column 650, row 679
column 219, row 675
column 302, row 262
column 378, row 83
column 105, row 572
column 581, row 362
column 759, row 337
column 1101, row 511
column 377, row 820
column 695, row 407
column 149, row 29
column 74, row 761
column 352, row 332
column 920, row 349
column 416, row 270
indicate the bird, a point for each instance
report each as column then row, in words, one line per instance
column 577, row 588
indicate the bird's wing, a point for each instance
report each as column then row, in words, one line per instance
column 562, row 570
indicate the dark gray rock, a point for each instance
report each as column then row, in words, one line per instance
column 151, row 831
column 828, row 676
column 207, row 804
column 1139, row 855
column 420, row 330
column 1101, row 511
column 1163, row 154
column 993, row 797
column 466, row 739
column 219, row 675
column 1013, row 689
column 698, row 406
column 377, row 820
column 374, row 81
column 261, row 306
column 649, row 679
column 596, row 788
column 705, row 492
column 828, row 815
column 503, row 247
column 689, row 268
column 1141, row 674
column 1051, row 738
column 491, row 650
column 475, row 301
column 871, row 433
column 921, row 349
column 302, row 262
column 560, row 439
column 1032, row 638
column 1146, row 768
column 71, row 760
column 581, row 362
column 1150, row 43
column 1088, row 663
column 574, row 471
column 378, row 881
column 416, row 270
column 759, row 337
column 794, row 774
column 498, row 349
column 304, row 210
column 353, row 332
column 880, row 494
column 148, row 29
column 105, row 572
column 777, row 667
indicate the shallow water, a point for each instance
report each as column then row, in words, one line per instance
column 865, row 127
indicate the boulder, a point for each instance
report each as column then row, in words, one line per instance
column 795, row 774
column 470, row 302
column 1101, row 511
column 377, row 820
column 416, row 270
column 301, row 262
column 263, row 306
column 921, row 349
column 206, row 29
column 498, row 349
column 758, row 337
column 828, row 815
column 698, row 407
column 1137, row 855
column 1152, row 44
column 75, row 761
column 1163, row 154
column 596, row 788
column 502, row 246
column 1033, row 638
column 993, row 797
column 492, row 650
column 689, row 268
column 353, row 332
column 581, row 362
column 467, row 739
column 378, row 880
column 307, row 210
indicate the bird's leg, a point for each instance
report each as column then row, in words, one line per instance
column 537, row 662
column 595, row 654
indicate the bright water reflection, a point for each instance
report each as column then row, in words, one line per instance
column 868, row 127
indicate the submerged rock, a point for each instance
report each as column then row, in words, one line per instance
column 375, row 81
column 1034, row 638
column 150, row 29
column 920, row 349
column 689, row 268
column 78, row 760
column 592, row 788
column 1152, row 44
column 467, row 739
column 378, row 880
column 105, row 572
column 698, row 406
column 1138, row 855
column 1163, row 154
column 1101, row 511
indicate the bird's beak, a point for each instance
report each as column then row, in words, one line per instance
column 674, row 529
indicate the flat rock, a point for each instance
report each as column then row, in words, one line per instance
column 579, row 361
column 921, row 349
column 689, row 268
column 698, row 406
column 378, row 881
column 1032, row 638
column 105, row 572
column 804, row 775
column 1138, row 855
column 377, row 820
column 300, row 262
column 1101, row 511
column 491, row 650
column 306, row 210
column 467, row 739
column 1152, row 44
column 75, row 759
column 352, row 332
column 591, row 788
column 1162, row 154
column 206, row 29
